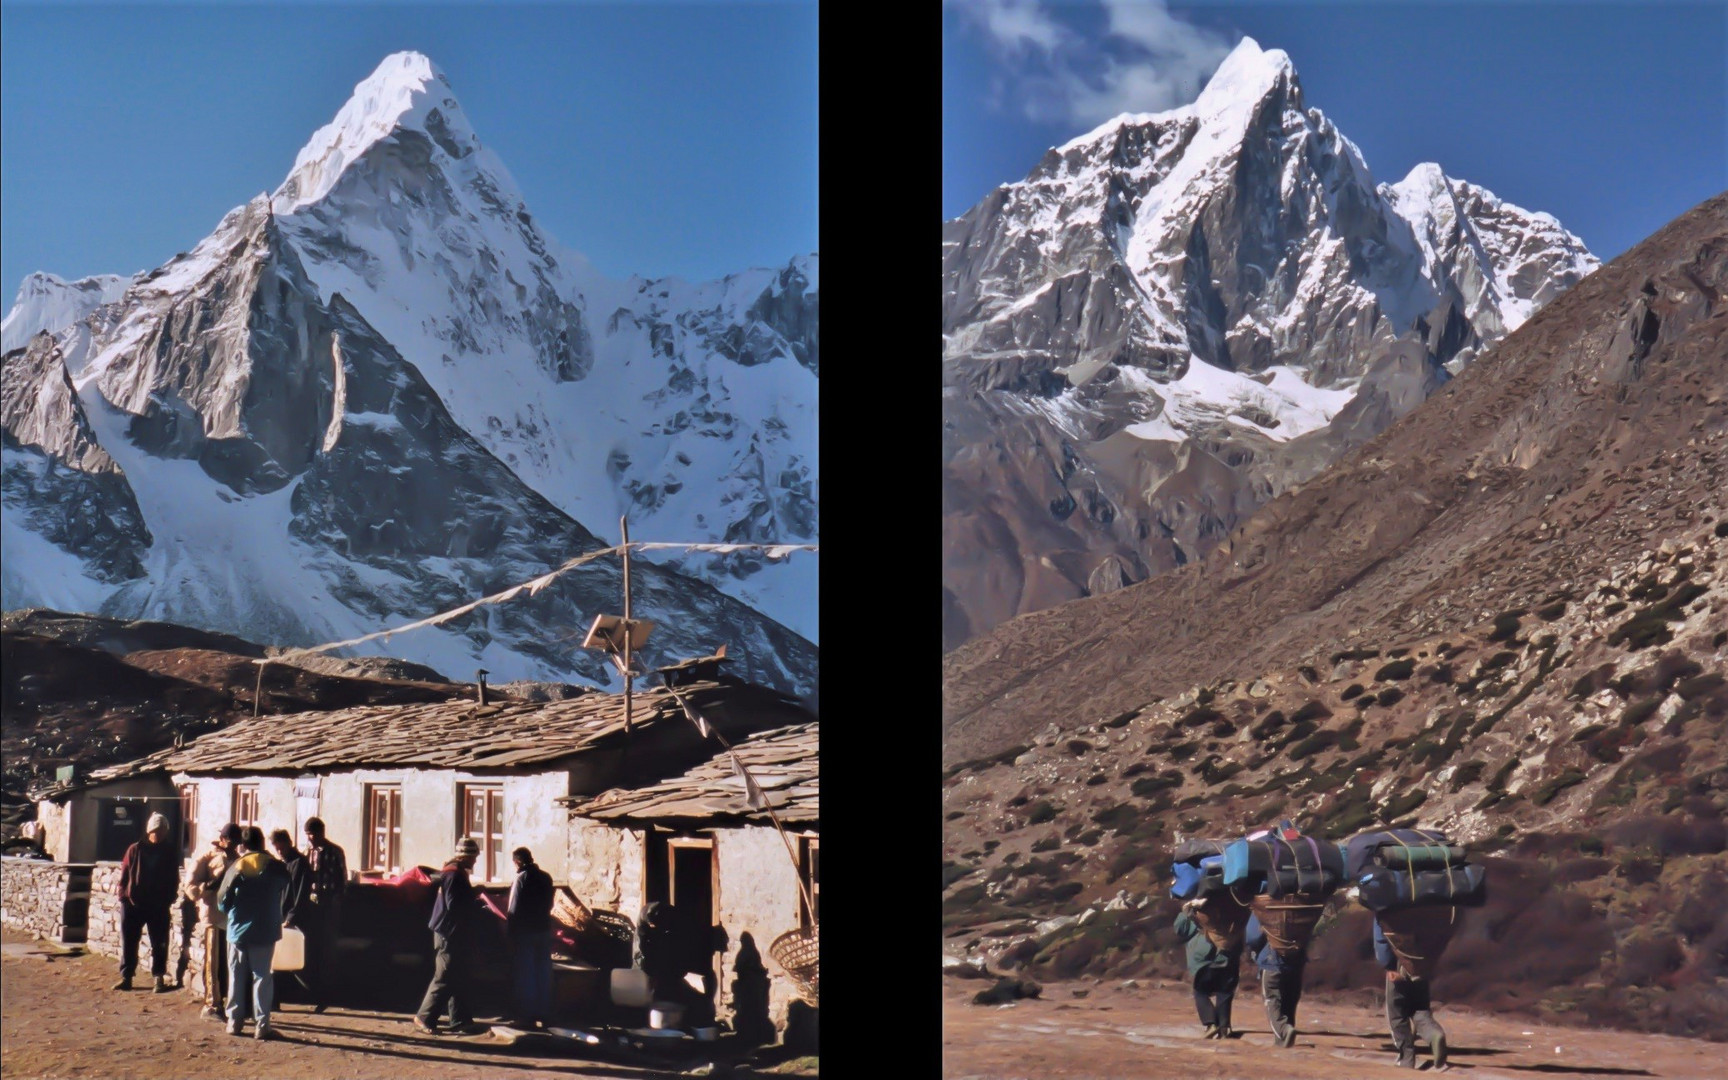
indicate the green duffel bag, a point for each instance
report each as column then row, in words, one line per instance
column 1421, row 856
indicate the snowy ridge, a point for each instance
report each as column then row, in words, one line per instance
column 51, row 304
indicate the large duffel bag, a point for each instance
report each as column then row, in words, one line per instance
column 1192, row 851
column 1280, row 864
column 1321, row 881
column 1363, row 852
column 1421, row 856
column 1382, row 889
column 1201, row 879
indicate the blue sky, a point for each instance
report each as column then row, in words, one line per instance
column 659, row 139
column 1611, row 116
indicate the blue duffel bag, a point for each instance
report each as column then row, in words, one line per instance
column 1202, row 879
column 1380, row 889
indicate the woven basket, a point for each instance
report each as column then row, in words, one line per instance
column 797, row 953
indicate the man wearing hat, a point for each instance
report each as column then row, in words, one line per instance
column 201, row 886
column 149, row 883
column 453, row 915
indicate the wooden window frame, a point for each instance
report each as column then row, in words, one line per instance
column 392, row 828
column 188, row 819
column 493, row 845
column 245, row 795
column 810, row 871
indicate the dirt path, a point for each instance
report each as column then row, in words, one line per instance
column 1150, row 1032
column 59, row 1019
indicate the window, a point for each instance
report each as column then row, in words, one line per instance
column 384, row 827
column 245, row 804
column 809, row 869
column 188, row 819
column 483, row 819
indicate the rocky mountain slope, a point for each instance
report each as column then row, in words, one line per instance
column 46, row 302
column 382, row 391
column 1506, row 617
column 1178, row 316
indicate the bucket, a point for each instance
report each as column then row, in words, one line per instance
column 630, row 988
column 290, row 954
column 665, row 1015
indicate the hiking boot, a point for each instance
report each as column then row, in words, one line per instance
column 468, row 1027
column 1438, row 1045
column 234, row 1029
column 1225, row 1031
column 1407, row 1058
column 125, row 983
column 319, row 1009
column 264, row 1034
column 163, row 986
column 1289, row 1036
column 424, row 1028
column 1211, row 1032
column 211, row 1012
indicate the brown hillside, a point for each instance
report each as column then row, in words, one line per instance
column 1589, row 435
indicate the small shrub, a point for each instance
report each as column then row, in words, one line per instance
column 1699, row 685
column 1506, row 626
column 1640, row 711
column 1401, row 805
column 1552, row 611
column 1397, row 669
column 1043, row 810
column 1314, row 710
column 1351, row 691
column 1545, row 794
column 1078, row 747
column 1355, row 654
column 1049, row 843
column 1389, row 696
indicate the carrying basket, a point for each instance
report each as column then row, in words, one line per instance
column 1418, row 936
column 797, row 952
column 1289, row 923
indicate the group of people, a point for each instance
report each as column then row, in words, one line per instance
column 1214, row 942
column 244, row 894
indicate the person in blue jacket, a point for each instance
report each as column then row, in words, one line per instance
column 251, row 897
column 1215, row 970
column 1280, row 981
column 1407, row 1008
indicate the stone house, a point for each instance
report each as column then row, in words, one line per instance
column 698, row 842
column 396, row 785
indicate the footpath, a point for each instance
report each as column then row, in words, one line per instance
column 1150, row 1033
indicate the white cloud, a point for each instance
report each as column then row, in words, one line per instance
column 1145, row 59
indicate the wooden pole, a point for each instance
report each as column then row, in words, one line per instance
column 624, row 534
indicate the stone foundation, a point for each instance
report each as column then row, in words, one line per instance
column 34, row 897
column 104, row 932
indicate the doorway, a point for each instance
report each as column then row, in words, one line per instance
column 683, row 875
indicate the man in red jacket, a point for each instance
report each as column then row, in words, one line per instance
column 149, row 882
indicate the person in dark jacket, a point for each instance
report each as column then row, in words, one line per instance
column 1408, row 1007
column 149, row 884
column 1215, row 970
column 454, row 914
column 1280, row 981
column 251, row 897
column 321, row 918
column 530, row 928
column 297, row 893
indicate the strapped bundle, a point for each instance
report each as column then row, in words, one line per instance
column 1408, row 868
column 1284, row 862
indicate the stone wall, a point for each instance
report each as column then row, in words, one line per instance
column 33, row 897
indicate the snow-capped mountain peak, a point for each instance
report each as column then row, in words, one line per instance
column 1245, row 77
column 1179, row 314
column 406, row 92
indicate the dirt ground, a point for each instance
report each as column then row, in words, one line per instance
column 58, row 1018
column 1150, row 1032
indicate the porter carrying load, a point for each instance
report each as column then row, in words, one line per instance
column 1197, row 869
